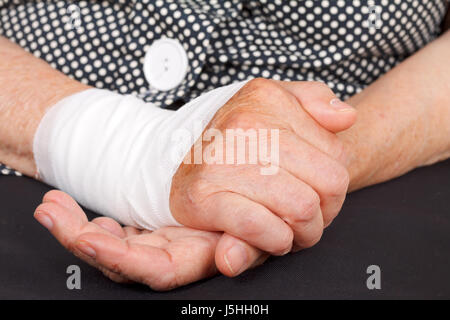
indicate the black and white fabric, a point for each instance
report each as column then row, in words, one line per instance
column 345, row 43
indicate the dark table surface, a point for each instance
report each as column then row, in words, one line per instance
column 402, row 226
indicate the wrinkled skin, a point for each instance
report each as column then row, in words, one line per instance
column 245, row 215
column 271, row 212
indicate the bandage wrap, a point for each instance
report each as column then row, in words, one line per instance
column 117, row 155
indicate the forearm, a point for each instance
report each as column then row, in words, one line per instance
column 28, row 86
column 403, row 118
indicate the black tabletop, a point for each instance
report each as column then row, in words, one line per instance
column 402, row 226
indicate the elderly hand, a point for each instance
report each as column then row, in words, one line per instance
column 164, row 259
column 269, row 212
column 258, row 213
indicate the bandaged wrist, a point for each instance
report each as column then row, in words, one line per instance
column 117, row 155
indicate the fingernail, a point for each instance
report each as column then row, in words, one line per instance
column 85, row 247
column 44, row 219
column 340, row 105
column 236, row 259
column 285, row 252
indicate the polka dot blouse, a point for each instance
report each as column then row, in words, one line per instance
column 345, row 43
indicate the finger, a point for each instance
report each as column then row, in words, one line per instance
column 176, row 263
column 268, row 97
column 66, row 201
column 110, row 225
column 241, row 217
column 62, row 216
column 322, row 104
column 328, row 178
column 308, row 232
column 234, row 256
column 115, row 277
column 191, row 253
column 64, row 225
column 297, row 204
column 131, row 231
column 288, row 197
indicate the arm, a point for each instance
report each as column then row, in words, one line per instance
column 403, row 118
column 28, row 86
column 83, row 133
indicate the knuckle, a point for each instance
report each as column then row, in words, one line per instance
column 262, row 90
column 337, row 182
column 197, row 191
column 52, row 195
column 258, row 85
column 315, row 238
column 319, row 86
column 309, row 208
column 46, row 207
column 242, row 120
column 249, row 226
column 284, row 244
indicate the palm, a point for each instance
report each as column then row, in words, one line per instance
column 164, row 259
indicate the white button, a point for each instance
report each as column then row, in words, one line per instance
column 165, row 64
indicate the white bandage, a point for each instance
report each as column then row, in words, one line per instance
column 116, row 154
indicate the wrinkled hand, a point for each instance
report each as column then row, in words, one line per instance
column 164, row 259
column 270, row 212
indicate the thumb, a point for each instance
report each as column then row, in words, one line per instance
column 321, row 103
column 234, row 256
